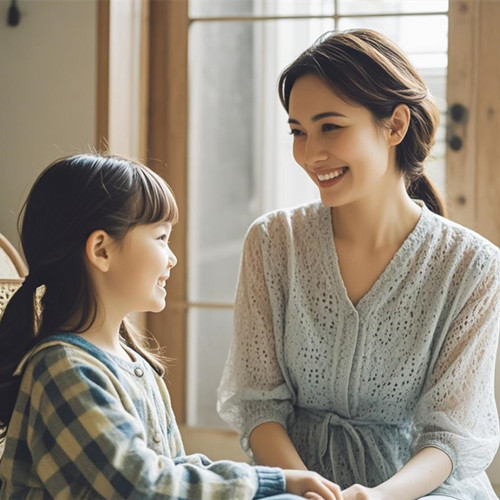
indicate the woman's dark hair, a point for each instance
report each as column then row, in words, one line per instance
column 72, row 198
column 365, row 67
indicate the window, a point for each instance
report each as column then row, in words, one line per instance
column 239, row 158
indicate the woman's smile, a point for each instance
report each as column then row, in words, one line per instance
column 330, row 178
column 333, row 137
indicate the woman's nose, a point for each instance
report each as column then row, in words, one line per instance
column 314, row 152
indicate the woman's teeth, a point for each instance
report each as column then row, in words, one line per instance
column 331, row 175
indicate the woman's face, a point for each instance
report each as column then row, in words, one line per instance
column 339, row 145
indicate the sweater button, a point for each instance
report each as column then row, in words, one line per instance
column 138, row 372
column 157, row 438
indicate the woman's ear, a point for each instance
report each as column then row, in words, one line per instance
column 398, row 124
column 98, row 250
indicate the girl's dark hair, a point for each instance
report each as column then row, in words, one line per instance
column 72, row 198
column 365, row 67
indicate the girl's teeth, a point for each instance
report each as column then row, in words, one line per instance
column 331, row 175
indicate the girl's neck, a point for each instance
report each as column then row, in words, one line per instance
column 376, row 222
column 104, row 333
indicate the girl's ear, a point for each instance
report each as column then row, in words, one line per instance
column 399, row 123
column 98, row 250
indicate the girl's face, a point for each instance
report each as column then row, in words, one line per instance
column 339, row 145
column 141, row 267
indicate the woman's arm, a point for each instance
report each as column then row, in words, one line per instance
column 272, row 446
column 451, row 432
column 253, row 389
column 427, row 470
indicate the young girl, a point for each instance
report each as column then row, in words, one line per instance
column 83, row 404
column 366, row 326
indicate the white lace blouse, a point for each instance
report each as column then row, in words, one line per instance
column 362, row 389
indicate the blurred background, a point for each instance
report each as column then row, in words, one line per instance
column 190, row 88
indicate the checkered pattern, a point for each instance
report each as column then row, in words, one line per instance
column 89, row 425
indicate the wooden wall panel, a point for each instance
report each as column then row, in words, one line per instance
column 488, row 124
column 462, row 89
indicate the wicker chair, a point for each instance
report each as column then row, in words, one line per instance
column 12, row 271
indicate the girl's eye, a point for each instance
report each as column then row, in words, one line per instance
column 163, row 237
column 327, row 127
column 296, row 132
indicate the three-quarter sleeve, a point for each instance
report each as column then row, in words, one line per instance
column 457, row 411
column 254, row 389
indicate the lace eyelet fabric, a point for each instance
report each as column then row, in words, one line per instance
column 360, row 389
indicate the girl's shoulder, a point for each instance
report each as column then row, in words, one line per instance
column 64, row 355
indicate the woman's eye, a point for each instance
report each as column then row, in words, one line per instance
column 296, row 132
column 163, row 237
column 327, row 127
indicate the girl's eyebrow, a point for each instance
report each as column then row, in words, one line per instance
column 320, row 116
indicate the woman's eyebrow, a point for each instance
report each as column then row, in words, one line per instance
column 320, row 116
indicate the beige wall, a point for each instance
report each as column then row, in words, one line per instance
column 47, row 93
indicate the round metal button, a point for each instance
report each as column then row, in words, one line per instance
column 138, row 372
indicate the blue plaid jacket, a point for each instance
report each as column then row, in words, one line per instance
column 88, row 425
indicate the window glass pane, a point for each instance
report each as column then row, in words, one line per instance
column 429, row 54
column 391, row 6
column 407, row 32
column 231, row 8
column 208, row 344
column 240, row 160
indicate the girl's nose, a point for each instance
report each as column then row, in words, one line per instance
column 172, row 260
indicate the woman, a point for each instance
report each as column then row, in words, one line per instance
column 366, row 325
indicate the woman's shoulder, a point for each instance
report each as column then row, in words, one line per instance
column 461, row 243
column 289, row 219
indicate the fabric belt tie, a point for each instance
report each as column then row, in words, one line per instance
column 354, row 445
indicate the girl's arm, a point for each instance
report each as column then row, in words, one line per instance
column 272, row 446
column 83, row 440
column 427, row 470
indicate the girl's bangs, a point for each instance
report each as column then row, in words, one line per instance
column 155, row 201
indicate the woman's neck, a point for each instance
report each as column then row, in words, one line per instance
column 378, row 221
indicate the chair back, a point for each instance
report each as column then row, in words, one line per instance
column 12, row 271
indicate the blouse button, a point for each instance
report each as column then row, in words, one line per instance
column 157, row 438
column 138, row 372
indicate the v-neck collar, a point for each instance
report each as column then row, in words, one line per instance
column 403, row 253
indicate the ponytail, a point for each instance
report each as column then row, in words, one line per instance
column 17, row 337
column 424, row 189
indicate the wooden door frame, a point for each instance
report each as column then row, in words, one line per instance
column 167, row 155
column 102, row 114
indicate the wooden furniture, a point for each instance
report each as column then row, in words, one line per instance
column 12, row 271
